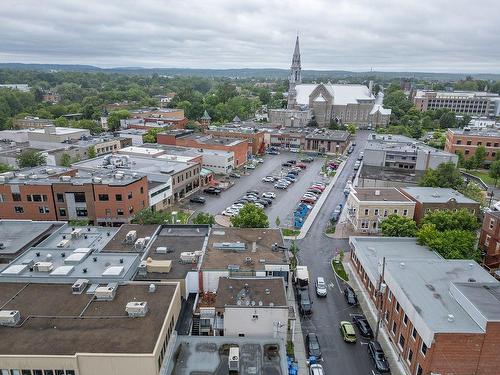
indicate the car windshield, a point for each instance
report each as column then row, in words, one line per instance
column 314, row 344
column 380, row 356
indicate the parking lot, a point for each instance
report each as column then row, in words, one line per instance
column 286, row 200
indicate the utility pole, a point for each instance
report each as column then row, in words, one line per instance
column 380, row 302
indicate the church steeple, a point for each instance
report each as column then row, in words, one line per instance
column 295, row 76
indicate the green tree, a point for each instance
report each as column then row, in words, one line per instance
column 351, row 128
column 250, row 216
column 461, row 158
column 465, row 120
column 204, row 218
column 152, row 135
column 469, row 164
column 65, row 160
column 30, row 158
column 450, row 244
column 480, row 156
column 474, row 192
column 447, row 120
column 4, row 168
column 398, row 226
column 449, row 220
column 91, row 152
column 494, row 171
column 147, row 216
column 115, row 117
column 277, row 221
column 312, row 122
column 445, row 175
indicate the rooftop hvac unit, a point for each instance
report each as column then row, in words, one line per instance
column 119, row 176
column 97, row 180
column 188, row 257
column 106, row 293
column 161, row 250
column 76, row 233
column 79, row 286
column 9, row 317
column 43, row 266
column 140, row 243
column 136, row 309
column 63, row 243
column 142, row 269
column 234, row 359
column 131, row 236
column 65, row 178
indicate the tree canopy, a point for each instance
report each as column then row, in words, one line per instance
column 204, row 218
column 398, row 226
column 446, row 175
column 448, row 220
column 30, row 158
column 250, row 216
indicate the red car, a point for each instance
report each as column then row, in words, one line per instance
column 308, row 200
column 318, row 187
column 301, row 165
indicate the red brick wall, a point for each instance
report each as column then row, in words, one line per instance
column 489, row 361
column 492, row 258
column 30, row 209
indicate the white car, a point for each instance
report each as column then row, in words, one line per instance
column 310, row 196
column 250, row 166
column 259, row 205
column 269, row 194
column 259, row 160
column 268, row 179
column 237, row 206
column 229, row 212
column 321, row 289
column 252, row 198
column 283, row 181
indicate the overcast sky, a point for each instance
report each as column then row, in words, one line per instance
column 391, row 35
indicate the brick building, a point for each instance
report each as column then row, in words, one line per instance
column 254, row 137
column 467, row 141
column 428, row 199
column 51, row 194
column 187, row 138
column 442, row 316
column 489, row 239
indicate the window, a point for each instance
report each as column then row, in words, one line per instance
column 394, row 327
column 25, row 372
column 70, row 372
column 419, row 371
column 467, row 152
column 405, row 320
column 492, row 223
column 479, row 143
column 469, row 143
column 423, row 349
column 401, row 342
column 389, row 296
column 60, row 197
column 118, row 197
column 81, row 212
column 62, row 212
column 16, row 197
column 19, row 210
column 376, row 212
column 367, row 211
column 405, row 212
column 37, row 372
column 107, row 212
column 396, row 211
column 48, row 372
column 130, row 195
column 142, row 189
column 385, row 213
column 495, row 145
column 80, row 197
column 43, row 210
column 119, row 212
column 410, row 356
column 3, row 198
column 103, row 197
column 386, row 316
column 398, row 307
column 487, row 240
column 414, row 333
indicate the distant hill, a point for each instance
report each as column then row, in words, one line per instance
column 247, row 72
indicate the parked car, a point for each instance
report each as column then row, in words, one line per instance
column 316, row 369
column 234, row 174
column 353, row 143
column 321, row 289
column 350, row 150
column 314, row 190
column 301, row 165
column 309, row 159
column 269, row 194
column 360, row 155
column 250, row 198
column 336, row 213
column 283, row 181
column 268, row 200
column 293, row 162
column 363, row 326
column 230, row 212
column 260, row 205
column 350, row 296
column 286, row 164
column 212, row 190
column 237, row 206
column 250, row 166
column 259, row 160
column 347, row 331
column 312, row 345
column 280, row 186
column 378, row 356
column 294, row 172
column 310, row 196
column 305, row 304
column 307, row 200
column 273, row 152
column 263, row 202
column 290, row 178
column 357, row 164
column 268, row 179
column 254, row 192
column 200, row 200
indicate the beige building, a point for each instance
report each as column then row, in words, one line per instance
column 366, row 208
column 62, row 330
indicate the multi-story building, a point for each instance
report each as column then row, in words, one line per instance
column 48, row 133
column 489, row 239
column 51, row 193
column 463, row 102
column 467, row 140
column 442, row 316
column 290, row 118
column 187, row 138
column 367, row 208
column 157, row 113
column 161, row 123
column 31, row 122
column 428, row 199
column 317, row 140
column 251, row 134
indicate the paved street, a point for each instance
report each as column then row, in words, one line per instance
column 286, row 200
column 316, row 251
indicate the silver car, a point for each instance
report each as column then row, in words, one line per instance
column 321, row 289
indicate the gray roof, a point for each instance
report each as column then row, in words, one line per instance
column 437, row 195
column 488, row 132
column 18, row 234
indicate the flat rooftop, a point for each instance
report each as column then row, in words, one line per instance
column 232, row 246
column 119, row 242
column 329, row 135
column 95, row 238
column 486, row 132
column 437, row 195
column 209, row 355
column 256, row 292
column 456, row 94
column 379, row 194
column 100, row 327
column 213, row 140
column 412, row 147
column 176, row 239
column 390, row 174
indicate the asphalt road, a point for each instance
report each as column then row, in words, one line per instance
column 286, row 200
column 316, row 251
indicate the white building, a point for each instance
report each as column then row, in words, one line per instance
column 49, row 133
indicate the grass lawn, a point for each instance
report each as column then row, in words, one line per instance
column 290, row 232
column 339, row 269
column 330, row 229
column 483, row 175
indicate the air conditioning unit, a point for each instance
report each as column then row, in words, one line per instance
column 131, row 236
column 136, row 309
column 161, row 250
column 234, row 359
column 9, row 317
column 188, row 257
column 140, row 243
column 79, row 286
column 76, row 233
column 43, row 266
column 65, row 178
column 63, row 243
column 106, row 293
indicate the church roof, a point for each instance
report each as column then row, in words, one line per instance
column 296, row 53
column 342, row 94
column 205, row 116
column 379, row 108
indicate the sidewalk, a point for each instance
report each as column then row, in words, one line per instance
column 397, row 367
column 298, row 343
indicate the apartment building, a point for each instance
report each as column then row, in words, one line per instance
column 428, row 199
column 467, row 141
column 367, row 208
column 442, row 316
column 464, row 102
column 489, row 239
column 59, row 329
column 108, row 198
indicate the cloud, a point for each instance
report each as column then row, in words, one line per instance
column 423, row 35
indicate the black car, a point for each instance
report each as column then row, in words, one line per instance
column 307, row 160
column 362, row 324
column 253, row 192
column 378, row 356
column 293, row 162
column 263, row 202
column 294, row 172
column 286, row 164
column 350, row 296
column 313, row 347
column 212, row 190
column 305, row 304
column 268, row 200
column 197, row 200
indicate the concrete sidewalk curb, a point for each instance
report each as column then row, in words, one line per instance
column 317, row 207
column 299, row 348
column 335, row 272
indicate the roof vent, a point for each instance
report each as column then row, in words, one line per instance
column 471, row 280
column 471, row 265
column 377, row 193
column 152, row 288
column 402, row 265
column 451, row 318
column 267, row 291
